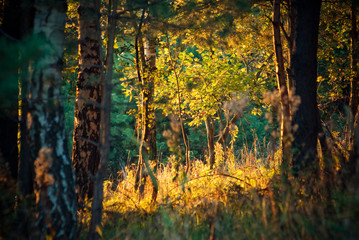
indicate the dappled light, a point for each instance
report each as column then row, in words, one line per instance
column 181, row 119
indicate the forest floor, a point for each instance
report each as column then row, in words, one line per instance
column 236, row 200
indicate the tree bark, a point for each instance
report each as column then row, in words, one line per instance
column 105, row 130
column 290, row 39
column 306, row 123
column 55, row 180
column 149, row 121
column 210, row 140
column 85, row 153
column 282, row 86
column 353, row 102
column 354, row 61
column 148, row 136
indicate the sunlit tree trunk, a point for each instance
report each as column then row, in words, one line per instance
column 148, row 136
column 148, row 113
column 306, row 123
column 85, row 153
column 282, row 86
column 55, row 180
column 105, row 133
column 210, row 140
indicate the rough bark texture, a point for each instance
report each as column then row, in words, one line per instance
column 105, row 133
column 85, row 153
column 282, row 85
column 210, row 140
column 55, row 180
column 306, row 122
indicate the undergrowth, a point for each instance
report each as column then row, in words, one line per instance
column 239, row 199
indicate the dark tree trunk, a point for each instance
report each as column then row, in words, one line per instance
column 210, row 140
column 290, row 39
column 55, row 180
column 85, row 153
column 306, row 123
column 17, row 23
column 282, row 86
column 25, row 167
column 105, row 133
column 354, row 60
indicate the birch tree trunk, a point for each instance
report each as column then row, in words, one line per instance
column 85, row 153
column 148, row 148
column 55, row 180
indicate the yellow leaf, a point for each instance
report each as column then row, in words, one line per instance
column 115, row 46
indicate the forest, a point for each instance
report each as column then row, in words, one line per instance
column 179, row 119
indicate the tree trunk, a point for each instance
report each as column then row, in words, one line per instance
column 210, row 140
column 290, row 39
column 55, row 180
column 85, row 153
column 225, row 132
column 16, row 24
column 105, row 133
column 353, row 102
column 149, row 121
column 354, row 60
column 25, row 166
column 9, row 111
column 282, row 86
column 148, row 139
column 306, row 123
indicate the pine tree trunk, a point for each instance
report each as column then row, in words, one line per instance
column 306, row 122
column 85, row 153
column 55, row 180
column 282, row 86
column 105, row 133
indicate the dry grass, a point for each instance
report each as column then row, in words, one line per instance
column 239, row 199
